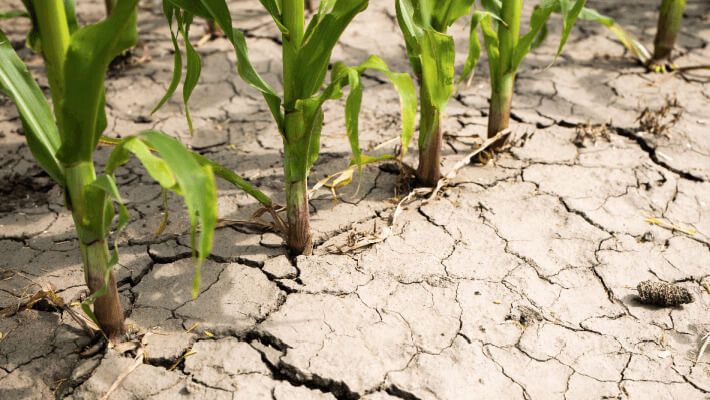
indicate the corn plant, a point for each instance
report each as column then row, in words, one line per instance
column 298, row 113
column 638, row 50
column 63, row 143
column 431, row 54
column 670, row 19
column 109, row 4
column 506, row 47
column 669, row 23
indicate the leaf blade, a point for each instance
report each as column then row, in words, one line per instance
column 40, row 128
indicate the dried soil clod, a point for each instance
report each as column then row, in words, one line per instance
column 663, row 294
column 525, row 316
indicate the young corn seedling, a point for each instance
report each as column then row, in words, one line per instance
column 669, row 23
column 63, row 143
column 298, row 113
column 506, row 47
column 431, row 54
column 670, row 19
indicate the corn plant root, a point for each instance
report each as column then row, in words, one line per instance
column 472, row 291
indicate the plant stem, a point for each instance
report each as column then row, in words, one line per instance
column 293, row 16
column 430, row 142
column 296, row 142
column 502, row 84
column 294, row 20
column 88, row 213
column 107, row 308
column 509, row 33
column 298, row 238
column 501, row 102
column 669, row 22
column 110, row 4
column 54, row 35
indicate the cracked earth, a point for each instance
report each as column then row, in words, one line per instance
column 517, row 282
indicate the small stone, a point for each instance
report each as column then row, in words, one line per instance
column 526, row 316
column 280, row 267
column 663, row 294
column 647, row 237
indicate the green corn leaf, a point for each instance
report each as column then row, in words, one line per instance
column 474, row 44
column 569, row 17
column 233, row 178
column 437, row 57
column 308, row 117
column 218, row 169
column 179, row 171
column 195, row 8
column 541, row 37
column 90, row 51
column 33, row 39
column 169, row 11
column 352, row 115
column 632, row 44
column 14, row 14
column 493, row 6
column 538, row 20
column 197, row 186
column 248, row 73
column 445, row 13
column 411, row 31
column 218, row 11
column 37, row 118
column 404, row 86
column 490, row 38
column 70, row 10
column 157, row 168
column 314, row 56
column 194, row 67
column 106, row 185
column 343, row 76
column 273, row 7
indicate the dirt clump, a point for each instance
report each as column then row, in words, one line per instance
column 663, row 294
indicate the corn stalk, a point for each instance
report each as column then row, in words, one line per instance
column 306, row 55
column 431, row 52
column 506, row 47
column 109, row 4
column 63, row 144
column 669, row 22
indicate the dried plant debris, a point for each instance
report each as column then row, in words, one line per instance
column 588, row 133
column 658, row 122
column 663, row 294
column 524, row 315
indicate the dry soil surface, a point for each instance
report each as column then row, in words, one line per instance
column 516, row 282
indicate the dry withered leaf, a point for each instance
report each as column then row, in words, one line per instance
column 659, row 121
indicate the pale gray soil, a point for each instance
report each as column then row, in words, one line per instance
column 517, row 282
